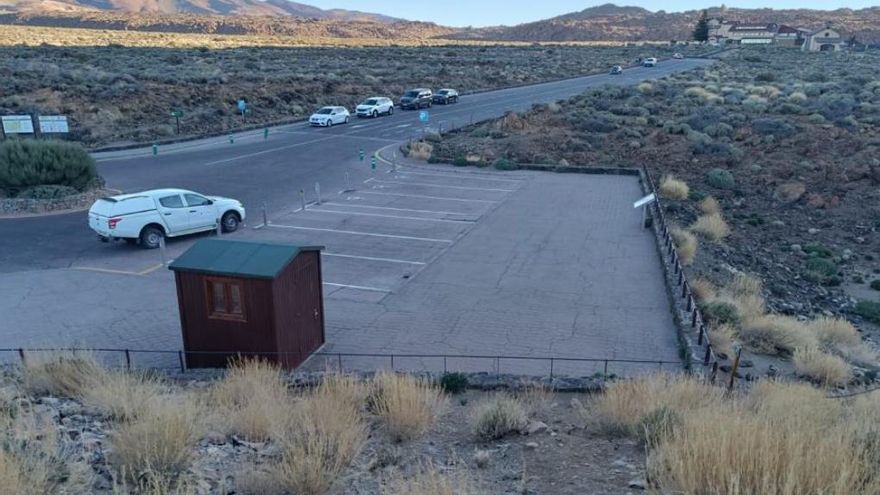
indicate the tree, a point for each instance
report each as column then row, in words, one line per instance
column 701, row 32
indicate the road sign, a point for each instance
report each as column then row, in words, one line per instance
column 242, row 106
column 424, row 116
column 53, row 124
column 177, row 113
column 18, row 124
column 645, row 201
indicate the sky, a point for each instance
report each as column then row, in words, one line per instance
column 479, row 13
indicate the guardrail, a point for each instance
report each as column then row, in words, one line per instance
column 682, row 289
column 442, row 361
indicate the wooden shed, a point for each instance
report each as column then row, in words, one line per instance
column 249, row 299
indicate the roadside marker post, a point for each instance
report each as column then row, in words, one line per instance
column 373, row 163
column 361, row 154
column 219, row 229
column 231, row 139
column 302, row 198
column 162, row 252
column 155, row 149
column 265, row 217
column 265, row 133
column 318, row 192
column 394, row 161
column 348, row 183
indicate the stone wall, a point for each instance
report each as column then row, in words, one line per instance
column 11, row 207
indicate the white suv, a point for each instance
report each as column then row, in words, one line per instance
column 149, row 216
column 649, row 62
column 375, row 106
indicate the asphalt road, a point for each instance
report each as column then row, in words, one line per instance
column 273, row 171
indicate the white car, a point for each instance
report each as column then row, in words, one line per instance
column 375, row 106
column 650, row 62
column 148, row 216
column 328, row 116
column 678, row 56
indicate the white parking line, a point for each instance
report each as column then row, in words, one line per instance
column 422, row 196
column 358, row 287
column 272, row 150
column 141, row 273
column 467, row 175
column 373, row 258
column 394, row 209
column 463, row 188
column 371, row 234
column 391, row 216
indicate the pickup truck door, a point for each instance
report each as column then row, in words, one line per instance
column 174, row 213
column 202, row 213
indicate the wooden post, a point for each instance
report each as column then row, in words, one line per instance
column 127, row 360
column 735, row 366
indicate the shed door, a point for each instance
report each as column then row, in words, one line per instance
column 309, row 308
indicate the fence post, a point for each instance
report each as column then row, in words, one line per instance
column 265, row 216
column 696, row 311
column 392, row 362
column 182, row 364
column 605, row 371
column 700, row 335
column 444, row 364
column 339, row 358
column 21, row 355
column 127, row 360
column 714, row 373
column 551, row 368
column 302, row 198
column 708, row 354
column 735, row 366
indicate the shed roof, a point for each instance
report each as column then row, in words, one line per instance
column 238, row 258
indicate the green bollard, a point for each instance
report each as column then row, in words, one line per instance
column 373, row 163
column 266, row 133
column 231, row 139
column 361, row 154
column 155, row 149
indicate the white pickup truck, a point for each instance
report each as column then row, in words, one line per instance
column 149, row 216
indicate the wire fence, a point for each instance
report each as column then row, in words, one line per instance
column 552, row 367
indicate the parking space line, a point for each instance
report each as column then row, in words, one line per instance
column 464, row 188
column 371, row 234
column 373, row 258
column 464, row 175
column 358, row 287
column 394, row 209
column 422, row 196
column 141, row 273
column 391, row 216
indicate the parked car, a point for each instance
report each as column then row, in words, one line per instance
column 616, row 70
column 446, row 96
column 148, row 216
column 649, row 62
column 416, row 98
column 678, row 56
column 375, row 106
column 328, row 116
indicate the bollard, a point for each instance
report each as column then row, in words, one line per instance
column 266, row 133
column 348, row 183
column 373, row 163
column 265, row 218
column 219, row 229
column 302, row 198
column 361, row 154
column 155, row 149
column 318, row 192
column 231, row 139
column 394, row 161
column 162, row 252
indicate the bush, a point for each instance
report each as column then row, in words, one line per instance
column 710, row 205
column 254, row 398
column 875, row 284
column 720, row 179
column 672, row 188
column 822, row 267
column 454, row 383
column 599, row 124
column 28, row 163
column 720, row 312
column 504, row 164
column 774, row 334
column 461, row 161
column 59, row 374
column 869, row 311
column 406, row 405
column 419, row 150
column 47, row 192
column 685, row 243
column 817, row 249
column 712, row 226
column 773, row 127
column 658, row 426
column 824, row 368
column 499, row 416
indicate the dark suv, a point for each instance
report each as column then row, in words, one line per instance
column 416, row 98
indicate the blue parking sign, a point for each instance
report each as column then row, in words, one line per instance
column 424, row 116
column 242, row 105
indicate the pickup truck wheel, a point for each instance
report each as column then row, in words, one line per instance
column 229, row 222
column 151, row 237
column 375, row 114
column 391, row 111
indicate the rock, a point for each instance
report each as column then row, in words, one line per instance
column 531, row 445
column 215, row 438
column 791, row 191
column 50, row 401
column 813, row 231
column 746, row 363
column 534, row 427
column 772, row 371
column 777, row 223
column 796, row 248
column 637, row 484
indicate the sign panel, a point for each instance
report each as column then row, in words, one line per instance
column 18, row 124
column 424, row 116
column 53, row 124
column 645, row 201
column 242, row 105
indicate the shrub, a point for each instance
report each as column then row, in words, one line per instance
column 685, row 243
column 773, row 127
column 122, row 395
column 817, row 249
column 720, row 312
column 869, row 311
column 822, row 266
column 712, row 226
column 875, row 284
column 254, row 399
column 60, row 374
column 710, row 205
column 496, row 417
column 720, row 179
column 672, row 188
column 836, row 106
column 797, row 98
column 775, row 334
column 504, row 164
column 28, row 163
column 722, row 338
column 454, row 383
column 429, row 481
column 407, row 405
column 461, row 161
column 703, row 289
column 658, row 426
column 834, row 332
column 600, row 124
column 419, row 150
column 746, row 285
column 47, row 192
column 824, row 368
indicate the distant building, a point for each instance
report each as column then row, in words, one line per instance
column 823, row 40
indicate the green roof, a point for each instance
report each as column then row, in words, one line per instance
column 238, row 258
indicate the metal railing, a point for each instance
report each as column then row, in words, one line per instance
column 681, row 288
column 443, row 362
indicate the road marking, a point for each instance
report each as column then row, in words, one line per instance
column 372, row 258
column 371, row 234
column 358, row 287
column 257, row 153
column 141, row 273
column 401, row 126
column 446, row 220
column 466, row 175
column 426, row 197
column 357, row 126
column 463, row 188
column 395, row 209
column 370, row 179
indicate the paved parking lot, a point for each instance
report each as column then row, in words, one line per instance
column 424, row 260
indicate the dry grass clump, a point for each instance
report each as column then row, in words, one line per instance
column 122, row 395
column 59, row 373
column 826, row 369
column 407, row 405
column 536, row 398
column 498, row 416
column 723, row 338
column 703, row 290
column 159, row 444
column 775, row 334
column 428, row 480
column 325, row 432
column 835, row 331
column 779, row 440
column 745, row 284
column 710, row 205
column 712, row 226
column 420, row 150
column 685, row 243
column 672, row 188
column 254, row 399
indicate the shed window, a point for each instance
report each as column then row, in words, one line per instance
column 224, row 298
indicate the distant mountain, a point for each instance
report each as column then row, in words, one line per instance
column 203, row 7
column 610, row 22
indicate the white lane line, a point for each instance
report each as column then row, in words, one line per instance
column 373, row 258
column 426, row 197
column 141, row 273
column 357, row 126
column 401, row 126
column 357, row 287
column 463, row 188
column 273, row 150
column 463, row 175
column 445, row 220
column 394, row 209
column 371, row 234
column 369, row 180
